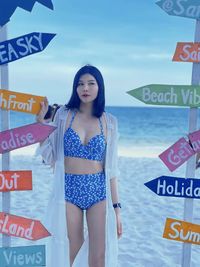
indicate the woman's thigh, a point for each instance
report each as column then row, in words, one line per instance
column 74, row 217
column 96, row 221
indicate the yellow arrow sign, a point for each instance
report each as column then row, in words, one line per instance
column 20, row 102
column 182, row 231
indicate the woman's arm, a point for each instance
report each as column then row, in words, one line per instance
column 115, row 199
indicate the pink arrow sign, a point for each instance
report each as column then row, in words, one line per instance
column 22, row 227
column 195, row 140
column 24, row 136
column 177, row 154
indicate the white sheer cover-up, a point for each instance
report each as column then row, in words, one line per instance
column 52, row 151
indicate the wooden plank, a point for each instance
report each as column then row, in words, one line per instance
column 182, row 231
column 29, row 256
column 15, row 181
column 16, row 101
column 187, row 52
column 175, row 187
column 182, row 8
column 22, row 227
column 177, row 154
column 23, row 46
column 168, row 95
column 24, row 136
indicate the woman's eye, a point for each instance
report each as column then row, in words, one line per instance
column 80, row 84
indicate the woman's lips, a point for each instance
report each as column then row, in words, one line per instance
column 85, row 95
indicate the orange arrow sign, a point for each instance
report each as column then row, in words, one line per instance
column 187, row 52
column 22, row 227
column 182, row 231
column 15, row 180
column 20, row 102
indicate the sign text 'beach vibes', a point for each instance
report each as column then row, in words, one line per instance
column 182, row 231
column 175, row 187
column 187, row 52
column 24, row 136
column 22, row 227
column 182, row 8
column 20, row 102
column 29, row 256
column 15, row 181
column 7, row 8
column 23, row 46
column 170, row 95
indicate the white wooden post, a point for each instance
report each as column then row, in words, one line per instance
column 191, row 164
column 6, row 240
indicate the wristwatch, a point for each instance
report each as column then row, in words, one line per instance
column 117, row 205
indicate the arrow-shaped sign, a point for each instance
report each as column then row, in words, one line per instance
column 171, row 95
column 29, row 256
column 177, row 154
column 182, row 231
column 15, row 181
column 24, row 136
column 22, row 227
column 20, row 102
column 8, row 7
column 175, row 187
column 182, row 8
column 187, row 52
column 24, row 46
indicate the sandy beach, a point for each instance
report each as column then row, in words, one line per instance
column 143, row 213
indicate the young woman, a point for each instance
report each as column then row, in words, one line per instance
column 83, row 150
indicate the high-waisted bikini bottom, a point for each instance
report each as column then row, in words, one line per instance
column 85, row 190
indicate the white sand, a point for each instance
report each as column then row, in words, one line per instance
column 143, row 212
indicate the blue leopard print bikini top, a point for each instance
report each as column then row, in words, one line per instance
column 93, row 150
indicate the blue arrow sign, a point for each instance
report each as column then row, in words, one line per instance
column 23, row 46
column 8, row 7
column 175, row 187
column 30, row 256
column 182, row 8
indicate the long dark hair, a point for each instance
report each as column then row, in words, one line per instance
column 99, row 102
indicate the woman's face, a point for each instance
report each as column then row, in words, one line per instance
column 87, row 88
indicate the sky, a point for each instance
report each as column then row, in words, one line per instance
column 131, row 42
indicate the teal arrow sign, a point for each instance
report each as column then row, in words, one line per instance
column 171, row 95
column 30, row 256
column 182, row 8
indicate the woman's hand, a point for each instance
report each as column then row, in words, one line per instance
column 44, row 108
column 119, row 225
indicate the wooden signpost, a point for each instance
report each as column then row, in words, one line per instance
column 182, row 231
column 15, row 181
column 22, row 227
column 181, row 151
column 12, row 225
column 7, row 8
column 29, row 256
column 187, row 52
column 168, row 95
column 175, row 187
column 24, row 136
column 20, row 102
column 24, row 46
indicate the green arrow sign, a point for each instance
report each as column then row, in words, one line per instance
column 171, row 95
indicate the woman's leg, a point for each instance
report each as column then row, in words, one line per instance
column 96, row 220
column 75, row 229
